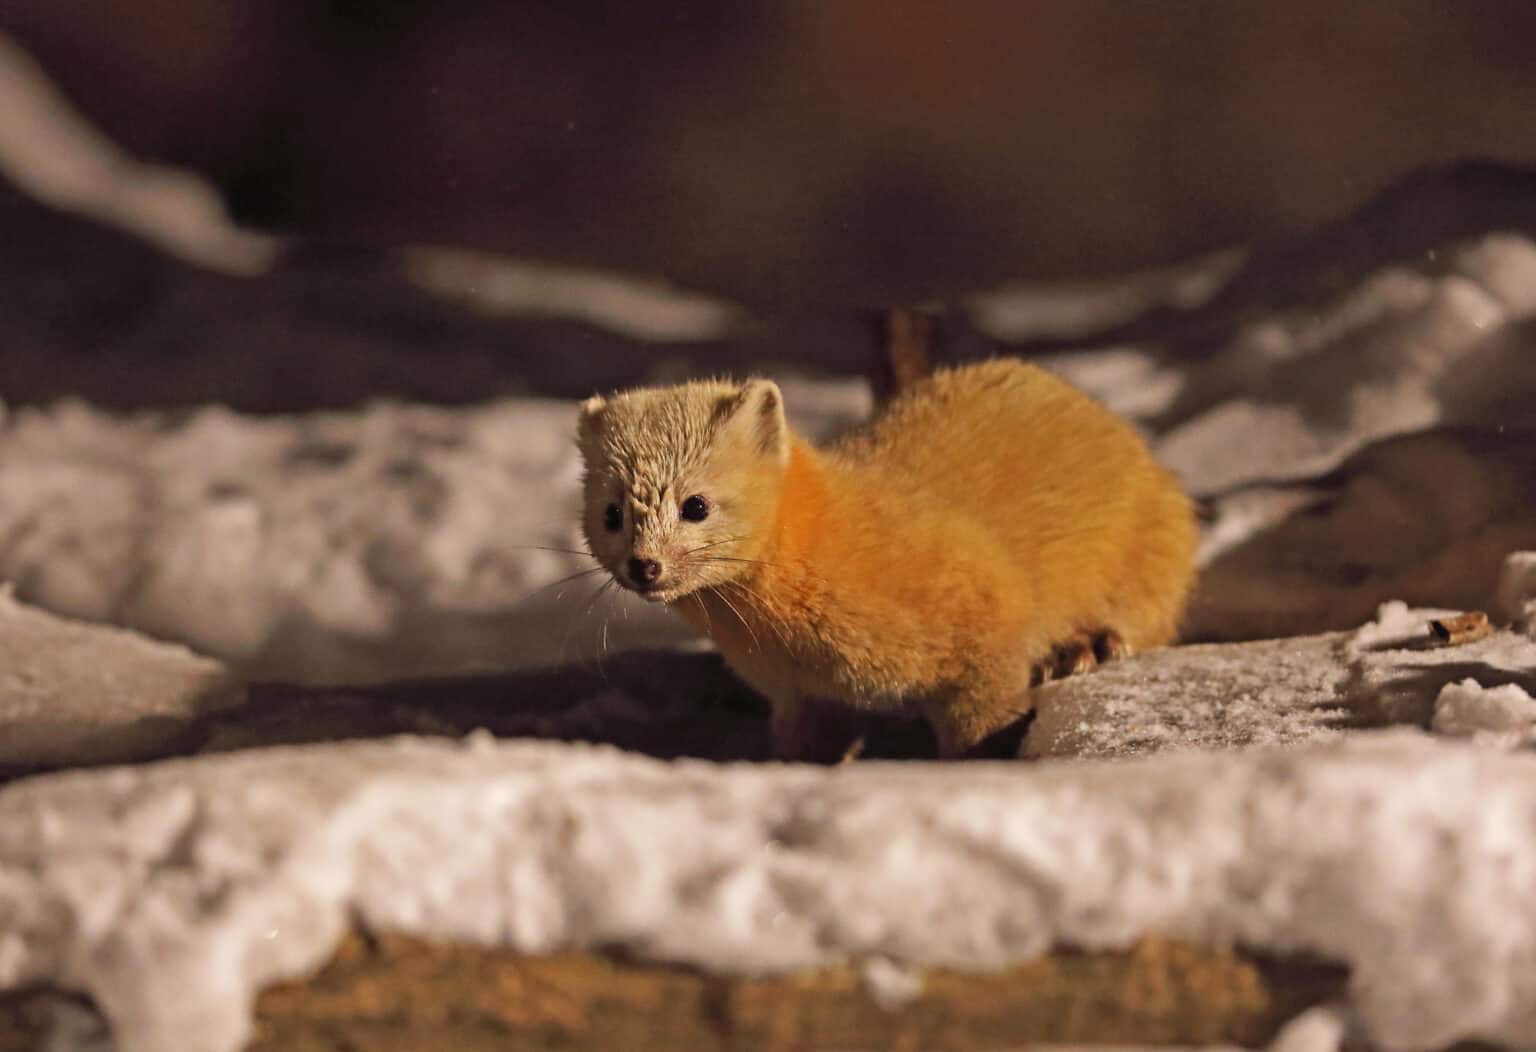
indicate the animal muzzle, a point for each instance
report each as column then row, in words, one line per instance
column 643, row 573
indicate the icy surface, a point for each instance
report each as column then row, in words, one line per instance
column 171, row 892
column 1287, row 691
column 78, row 693
column 1269, row 693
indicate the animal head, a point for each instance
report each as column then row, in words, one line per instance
column 682, row 483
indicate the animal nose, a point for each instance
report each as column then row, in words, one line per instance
column 644, row 571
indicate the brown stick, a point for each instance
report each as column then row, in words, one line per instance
column 905, row 356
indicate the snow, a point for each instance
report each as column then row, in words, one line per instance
column 1517, row 589
column 1398, row 671
column 48, row 149
column 1319, row 1029
column 1361, row 435
column 1408, row 348
column 1290, row 691
column 645, row 310
column 1274, row 692
column 171, row 892
column 1501, row 715
column 1079, row 309
column 1428, row 518
column 337, row 547
column 80, row 693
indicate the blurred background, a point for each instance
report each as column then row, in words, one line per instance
column 799, row 154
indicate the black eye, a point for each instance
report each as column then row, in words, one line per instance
column 695, row 508
column 613, row 518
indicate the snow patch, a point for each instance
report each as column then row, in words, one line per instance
column 1395, row 625
column 1390, row 356
column 171, row 892
column 50, row 150
column 1504, row 715
column 1517, row 590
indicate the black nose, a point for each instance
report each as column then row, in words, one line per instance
column 644, row 571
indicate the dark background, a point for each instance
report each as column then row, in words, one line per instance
column 821, row 153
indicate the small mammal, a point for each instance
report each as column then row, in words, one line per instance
column 934, row 561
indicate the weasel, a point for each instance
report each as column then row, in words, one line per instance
column 991, row 522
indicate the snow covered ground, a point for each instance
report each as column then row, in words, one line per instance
column 1359, row 423
column 171, row 892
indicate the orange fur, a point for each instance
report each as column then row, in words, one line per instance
column 926, row 563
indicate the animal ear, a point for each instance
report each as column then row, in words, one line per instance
column 756, row 411
column 590, row 419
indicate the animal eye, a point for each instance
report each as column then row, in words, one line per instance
column 613, row 518
column 695, row 508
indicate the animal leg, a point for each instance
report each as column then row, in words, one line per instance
column 805, row 730
column 1108, row 645
column 971, row 724
column 790, row 729
column 1070, row 658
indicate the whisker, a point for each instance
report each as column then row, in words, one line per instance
column 734, row 559
column 555, row 584
column 756, row 645
column 549, row 548
column 602, row 650
column 714, row 544
column 753, row 594
column 709, row 627
column 586, row 611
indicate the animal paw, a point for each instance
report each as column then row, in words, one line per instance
column 1083, row 652
column 1109, row 646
